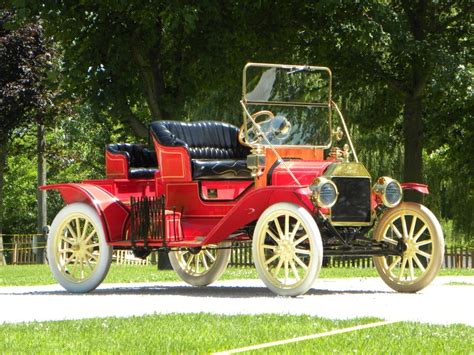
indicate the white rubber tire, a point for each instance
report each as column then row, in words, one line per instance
column 314, row 242
column 207, row 277
column 103, row 251
column 437, row 241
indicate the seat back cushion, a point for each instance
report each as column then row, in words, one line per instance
column 204, row 139
column 137, row 154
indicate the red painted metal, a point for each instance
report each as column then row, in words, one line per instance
column 116, row 166
column 252, row 205
column 304, row 170
column 185, row 197
column 174, row 163
column 123, row 189
column 173, row 227
column 422, row 188
column 204, row 212
column 113, row 213
column 223, row 190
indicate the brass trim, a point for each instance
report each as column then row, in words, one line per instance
column 287, row 103
column 380, row 189
column 316, row 187
column 346, row 130
column 324, row 104
column 285, row 66
column 350, row 169
column 352, row 224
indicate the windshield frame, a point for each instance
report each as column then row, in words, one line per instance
column 323, row 104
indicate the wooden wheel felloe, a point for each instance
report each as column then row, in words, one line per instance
column 78, row 254
column 201, row 267
column 287, row 249
column 423, row 243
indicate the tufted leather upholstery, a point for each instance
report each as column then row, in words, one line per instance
column 220, row 169
column 142, row 162
column 213, row 147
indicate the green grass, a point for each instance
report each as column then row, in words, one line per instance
column 455, row 283
column 205, row 333
column 26, row 275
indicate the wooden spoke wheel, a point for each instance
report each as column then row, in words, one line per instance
column 287, row 249
column 78, row 254
column 423, row 242
column 201, row 266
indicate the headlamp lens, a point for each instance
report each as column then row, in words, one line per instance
column 324, row 192
column 393, row 193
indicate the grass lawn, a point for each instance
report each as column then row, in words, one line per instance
column 25, row 275
column 455, row 283
column 206, row 333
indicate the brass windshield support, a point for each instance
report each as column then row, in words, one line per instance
column 259, row 130
column 345, row 129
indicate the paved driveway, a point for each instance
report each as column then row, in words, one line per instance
column 442, row 302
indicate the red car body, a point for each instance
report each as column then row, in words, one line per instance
column 208, row 183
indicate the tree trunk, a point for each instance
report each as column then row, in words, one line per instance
column 3, row 163
column 154, row 83
column 38, row 241
column 121, row 110
column 413, row 143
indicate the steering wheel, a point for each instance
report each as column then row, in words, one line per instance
column 277, row 129
column 252, row 132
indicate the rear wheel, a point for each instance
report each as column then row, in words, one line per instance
column 201, row 266
column 422, row 236
column 287, row 249
column 78, row 254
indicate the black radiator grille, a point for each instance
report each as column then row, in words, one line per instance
column 353, row 203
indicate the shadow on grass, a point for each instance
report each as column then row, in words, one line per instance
column 189, row 291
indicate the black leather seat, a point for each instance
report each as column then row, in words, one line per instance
column 213, row 146
column 142, row 162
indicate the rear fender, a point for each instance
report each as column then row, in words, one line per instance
column 250, row 207
column 113, row 213
column 421, row 188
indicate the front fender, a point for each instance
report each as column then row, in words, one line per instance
column 112, row 212
column 251, row 206
column 421, row 188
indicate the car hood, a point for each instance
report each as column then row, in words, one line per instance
column 304, row 170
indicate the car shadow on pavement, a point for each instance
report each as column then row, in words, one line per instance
column 189, row 291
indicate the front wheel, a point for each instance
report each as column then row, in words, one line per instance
column 423, row 243
column 77, row 250
column 287, row 249
column 201, row 266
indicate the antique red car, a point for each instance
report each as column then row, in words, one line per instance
column 280, row 181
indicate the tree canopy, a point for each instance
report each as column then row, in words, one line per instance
column 402, row 70
column 24, row 57
column 390, row 56
column 141, row 61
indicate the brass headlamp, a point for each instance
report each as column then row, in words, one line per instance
column 389, row 191
column 324, row 192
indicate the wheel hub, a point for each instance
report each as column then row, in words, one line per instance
column 411, row 248
column 79, row 249
column 401, row 246
column 286, row 250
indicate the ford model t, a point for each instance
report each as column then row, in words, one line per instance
column 281, row 181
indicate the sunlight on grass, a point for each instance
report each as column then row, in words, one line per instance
column 196, row 333
column 455, row 283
